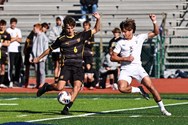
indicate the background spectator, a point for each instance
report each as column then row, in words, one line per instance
column 4, row 43
column 15, row 57
column 27, row 52
column 53, row 35
column 40, row 44
column 88, row 7
column 88, row 52
column 117, row 36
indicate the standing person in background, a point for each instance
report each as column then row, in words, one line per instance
column 71, row 46
column 53, row 35
column 108, row 67
column 90, row 74
column 88, row 7
column 40, row 44
column 128, row 51
column 4, row 43
column 45, row 29
column 117, row 36
column 88, row 52
column 14, row 49
column 27, row 52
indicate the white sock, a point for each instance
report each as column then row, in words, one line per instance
column 161, row 105
column 135, row 90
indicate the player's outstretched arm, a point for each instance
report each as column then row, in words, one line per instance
column 37, row 59
column 155, row 26
column 97, row 24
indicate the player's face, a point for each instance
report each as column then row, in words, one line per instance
column 69, row 30
column 13, row 25
column 58, row 22
column 128, row 34
column 44, row 29
column 86, row 27
column 116, row 34
column 2, row 27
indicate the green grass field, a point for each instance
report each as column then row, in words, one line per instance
column 118, row 109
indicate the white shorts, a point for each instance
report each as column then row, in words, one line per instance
column 136, row 72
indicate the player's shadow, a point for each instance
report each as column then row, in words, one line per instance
column 77, row 111
column 57, row 112
column 23, row 111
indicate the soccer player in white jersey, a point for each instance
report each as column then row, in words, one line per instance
column 127, row 51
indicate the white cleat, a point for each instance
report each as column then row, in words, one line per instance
column 3, row 86
column 166, row 113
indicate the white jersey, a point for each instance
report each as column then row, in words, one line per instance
column 14, row 46
column 131, row 47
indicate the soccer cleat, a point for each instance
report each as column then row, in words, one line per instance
column 166, row 113
column 143, row 93
column 42, row 90
column 65, row 112
column 3, row 86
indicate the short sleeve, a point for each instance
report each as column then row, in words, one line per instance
column 117, row 48
column 143, row 37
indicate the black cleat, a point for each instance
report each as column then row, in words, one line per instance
column 42, row 90
column 143, row 93
column 65, row 112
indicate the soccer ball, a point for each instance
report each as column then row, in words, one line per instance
column 64, row 97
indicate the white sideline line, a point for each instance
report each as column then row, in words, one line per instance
column 109, row 111
column 9, row 99
column 1, row 104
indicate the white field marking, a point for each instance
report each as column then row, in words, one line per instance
column 8, row 104
column 109, row 111
column 137, row 98
column 10, row 99
column 135, row 116
column 21, row 116
column 95, row 98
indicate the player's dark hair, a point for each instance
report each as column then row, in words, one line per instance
column 45, row 25
column 58, row 18
column 69, row 21
column 128, row 24
column 3, row 22
column 87, row 22
column 13, row 20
